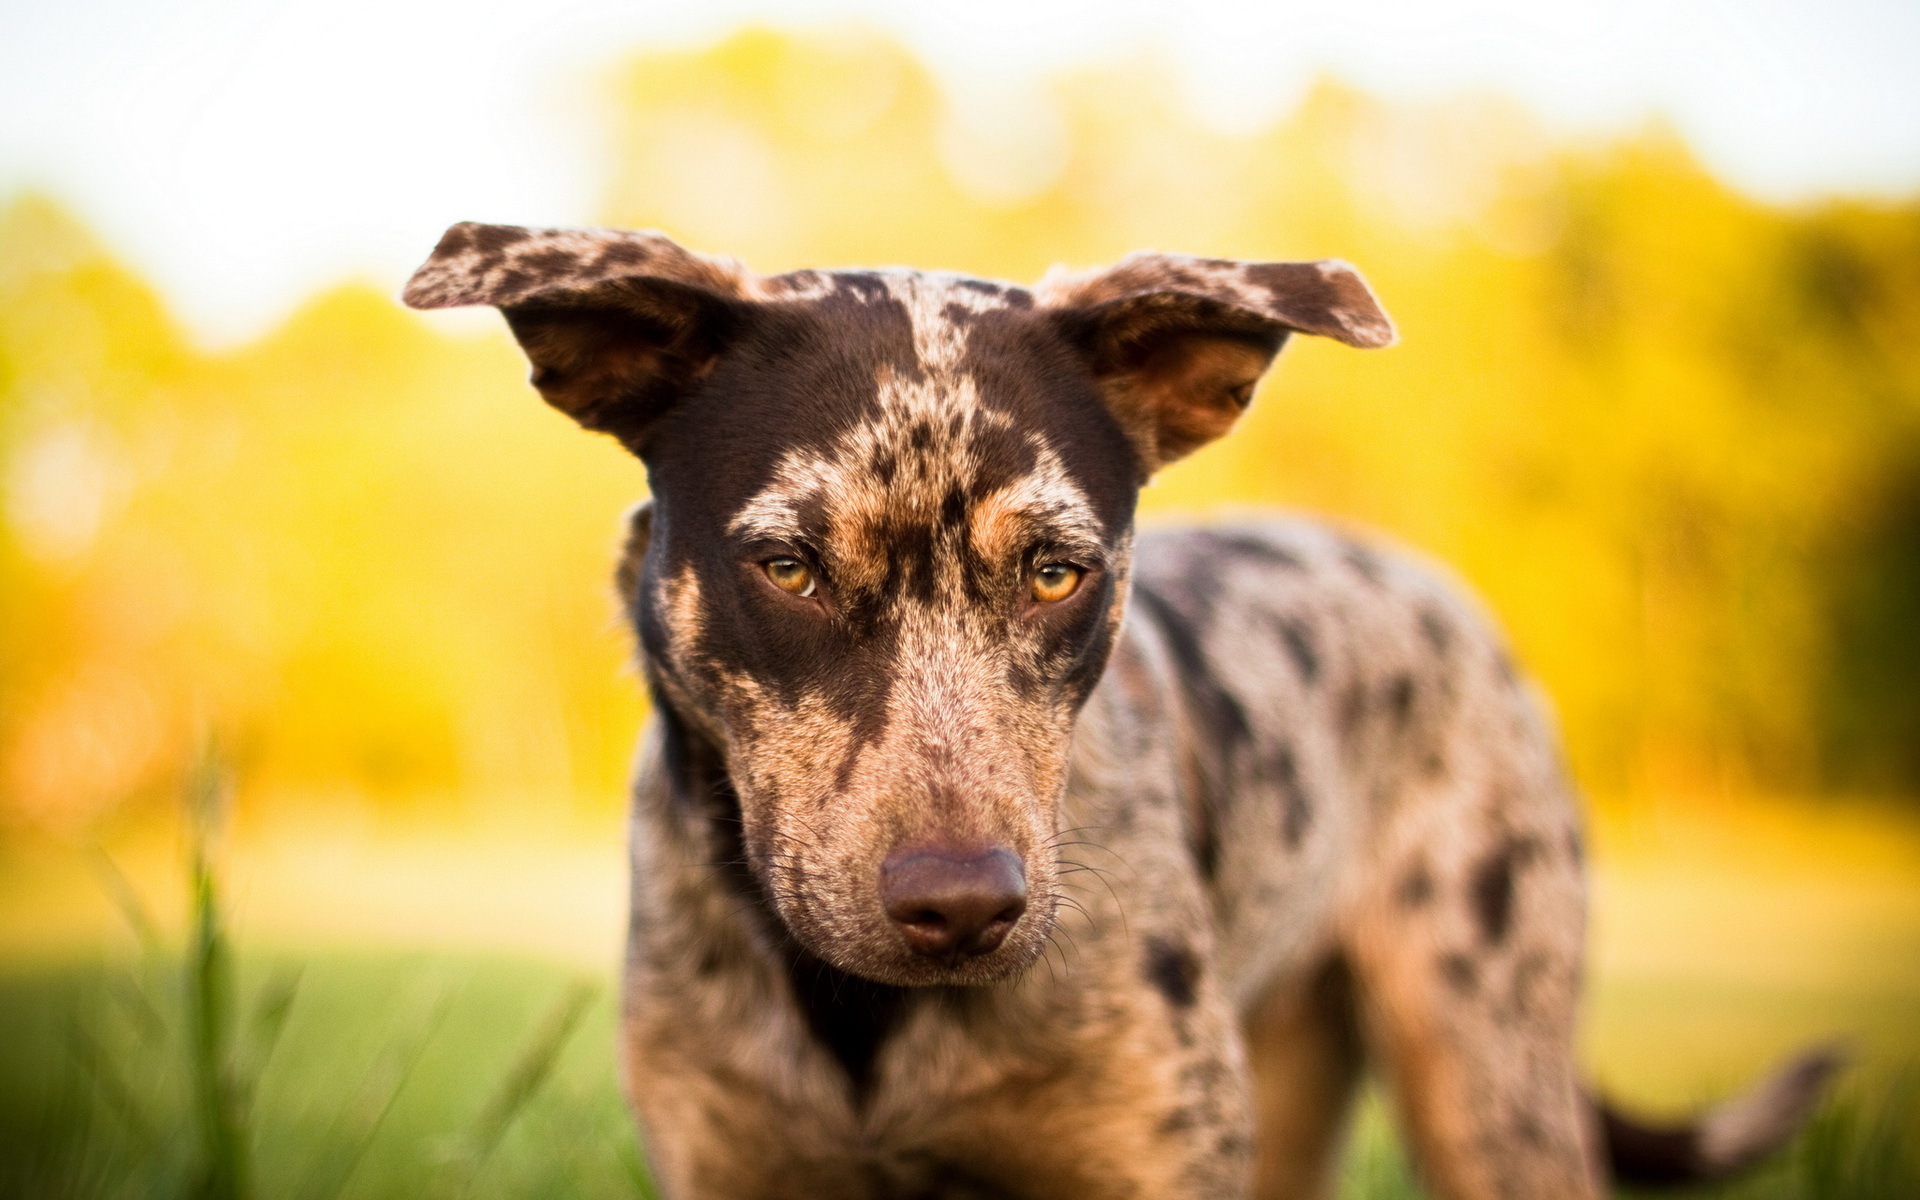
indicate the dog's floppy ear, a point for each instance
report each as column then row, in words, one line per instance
column 1177, row 343
column 617, row 325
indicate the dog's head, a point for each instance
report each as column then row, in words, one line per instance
column 888, row 545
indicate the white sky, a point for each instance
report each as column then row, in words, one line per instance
column 242, row 154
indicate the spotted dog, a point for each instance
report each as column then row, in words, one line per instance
column 982, row 848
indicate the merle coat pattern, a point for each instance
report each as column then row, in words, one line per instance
column 983, row 850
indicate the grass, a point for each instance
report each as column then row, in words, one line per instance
column 185, row 1075
column 431, row 1077
column 188, row 1072
column 414, row 1077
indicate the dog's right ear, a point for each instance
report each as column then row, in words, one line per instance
column 618, row 325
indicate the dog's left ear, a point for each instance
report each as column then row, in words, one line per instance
column 1176, row 343
column 618, row 325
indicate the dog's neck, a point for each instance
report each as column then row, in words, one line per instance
column 851, row 1017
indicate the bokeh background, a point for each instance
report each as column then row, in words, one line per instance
column 1657, row 272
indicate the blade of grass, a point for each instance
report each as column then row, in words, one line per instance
column 139, row 1010
column 1863, row 1148
column 524, row 1079
column 222, row 1172
column 97, row 1065
column 125, row 897
column 373, row 1101
column 270, row 1010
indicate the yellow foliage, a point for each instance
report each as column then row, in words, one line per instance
column 1648, row 419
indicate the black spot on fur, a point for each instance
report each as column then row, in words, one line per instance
column 1416, row 887
column 1400, row 695
column 953, row 508
column 1233, row 1145
column 494, row 238
column 1222, row 721
column 1491, row 889
column 1296, row 813
column 550, row 262
column 1173, row 971
column 1459, row 972
column 1438, row 633
column 1492, row 895
column 1353, row 711
column 1366, row 564
column 1529, row 1129
column 1247, row 545
column 457, row 239
column 1306, row 656
column 1503, row 665
column 863, row 287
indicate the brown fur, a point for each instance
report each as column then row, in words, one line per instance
column 1276, row 796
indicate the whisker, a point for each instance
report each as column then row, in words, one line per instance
column 1063, row 931
column 1100, row 874
column 1095, row 845
column 1065, row 966
column 1076, row 829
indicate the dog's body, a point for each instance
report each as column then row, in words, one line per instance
column 979, row 853
column 1304, row 761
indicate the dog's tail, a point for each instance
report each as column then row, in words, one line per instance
column 1726, row 1138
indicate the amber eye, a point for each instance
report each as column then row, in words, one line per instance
column 790, row 575
column 1053, row 582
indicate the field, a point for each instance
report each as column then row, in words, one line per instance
column 180, row 1058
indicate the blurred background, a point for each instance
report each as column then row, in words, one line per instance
column 271, row 541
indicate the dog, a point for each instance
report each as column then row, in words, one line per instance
column 981, row 848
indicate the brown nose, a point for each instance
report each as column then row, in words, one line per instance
column 953, row 904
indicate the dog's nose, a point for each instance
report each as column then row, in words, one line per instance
column 953, row 904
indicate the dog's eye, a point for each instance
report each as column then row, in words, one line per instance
column 1052, row 582
column 790, row 575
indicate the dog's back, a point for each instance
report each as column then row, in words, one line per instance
column 1333, row 693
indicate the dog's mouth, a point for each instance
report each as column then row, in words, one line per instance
column 929, row 953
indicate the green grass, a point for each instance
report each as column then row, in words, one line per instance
column 413, row 1077
column 432, row 1077
column 190, row 1075
column 191, row 1072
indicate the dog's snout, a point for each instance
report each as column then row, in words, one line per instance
column 953, row 904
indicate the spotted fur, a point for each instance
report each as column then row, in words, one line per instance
column 1276, row 793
